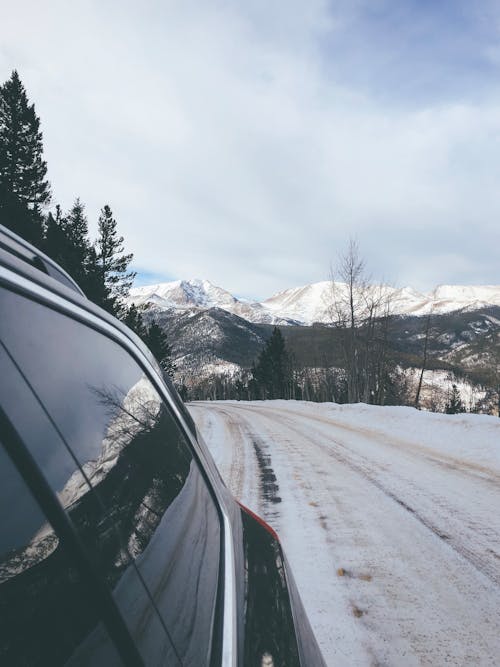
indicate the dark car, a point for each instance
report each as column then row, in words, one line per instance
column 119, row 542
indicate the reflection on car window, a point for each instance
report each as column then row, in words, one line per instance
column 149, row 520
column 45, row 613
column 26, row 538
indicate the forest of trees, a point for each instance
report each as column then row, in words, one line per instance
column 100, row 267
column 276, row 374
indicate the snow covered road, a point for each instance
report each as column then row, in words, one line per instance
column 390, row 519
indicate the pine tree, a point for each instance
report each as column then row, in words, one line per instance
column 75, row 258
column 455, row 403
column 55, row 243
column 132, row 317
column 157, row 342
column 153, row 337
column 93, row 284
column 66, row 241
column 271, row 374
column 111, row 264
column 23, row 184
column 14, row 214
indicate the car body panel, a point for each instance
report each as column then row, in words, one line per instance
column 76, row 383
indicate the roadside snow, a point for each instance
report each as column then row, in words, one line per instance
column 389, row 518
column 473, row 438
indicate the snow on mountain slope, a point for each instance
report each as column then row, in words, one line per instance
column 313, row 303
column 309, row 303
column 446, row 298
column 185, row 293
column 201, row 294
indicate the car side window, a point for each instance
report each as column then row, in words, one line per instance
column 64, row 476
column 150, row 516
column 46, row 614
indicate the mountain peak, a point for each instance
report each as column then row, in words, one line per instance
column 194, row 292
column 309, row 303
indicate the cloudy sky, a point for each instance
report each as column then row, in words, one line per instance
column 246, row 141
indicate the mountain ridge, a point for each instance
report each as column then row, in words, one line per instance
column 310, row 303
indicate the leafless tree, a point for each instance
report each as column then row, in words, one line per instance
column 360, row 310
column 496, row 377
column 424, row 358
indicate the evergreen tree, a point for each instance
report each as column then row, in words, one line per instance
column 157, row 342
column 132, row 317
column 93, row 284
column 66, row 241
column 23, row 184
column 111, row 265
column 76, row 256
column 271, row 374
column 101, row 269
column 153, row 336
column 55, row 243
column 14, row 214
column 455, row 403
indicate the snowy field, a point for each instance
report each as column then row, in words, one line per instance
column 390, row 519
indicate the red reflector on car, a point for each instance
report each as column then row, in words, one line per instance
column 257, row 518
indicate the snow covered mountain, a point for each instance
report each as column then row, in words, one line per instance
column 216, row 337
column 195, row 295
column 309, row 303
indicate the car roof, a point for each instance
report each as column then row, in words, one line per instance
column 28, row 262
column 17, row 246
column 20, row 257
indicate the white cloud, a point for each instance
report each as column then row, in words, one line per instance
column 228, row 149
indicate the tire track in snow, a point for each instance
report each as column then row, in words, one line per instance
column 350, row 649
column 239, row 433
column 369, row 469
column 418, row 451
column 237, row 469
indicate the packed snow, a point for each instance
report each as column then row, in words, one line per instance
column 389, row 517
column 309, row 303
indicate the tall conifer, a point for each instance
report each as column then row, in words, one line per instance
column 112, row 263
column 132, row 317
column 75, row 256
column 455, row 403
column 271, row 374
column 23, row 184
column 55, row 244
column 157, row 342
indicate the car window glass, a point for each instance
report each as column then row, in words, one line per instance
column 130, row 449
column 94, row 526
column 46, row 615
